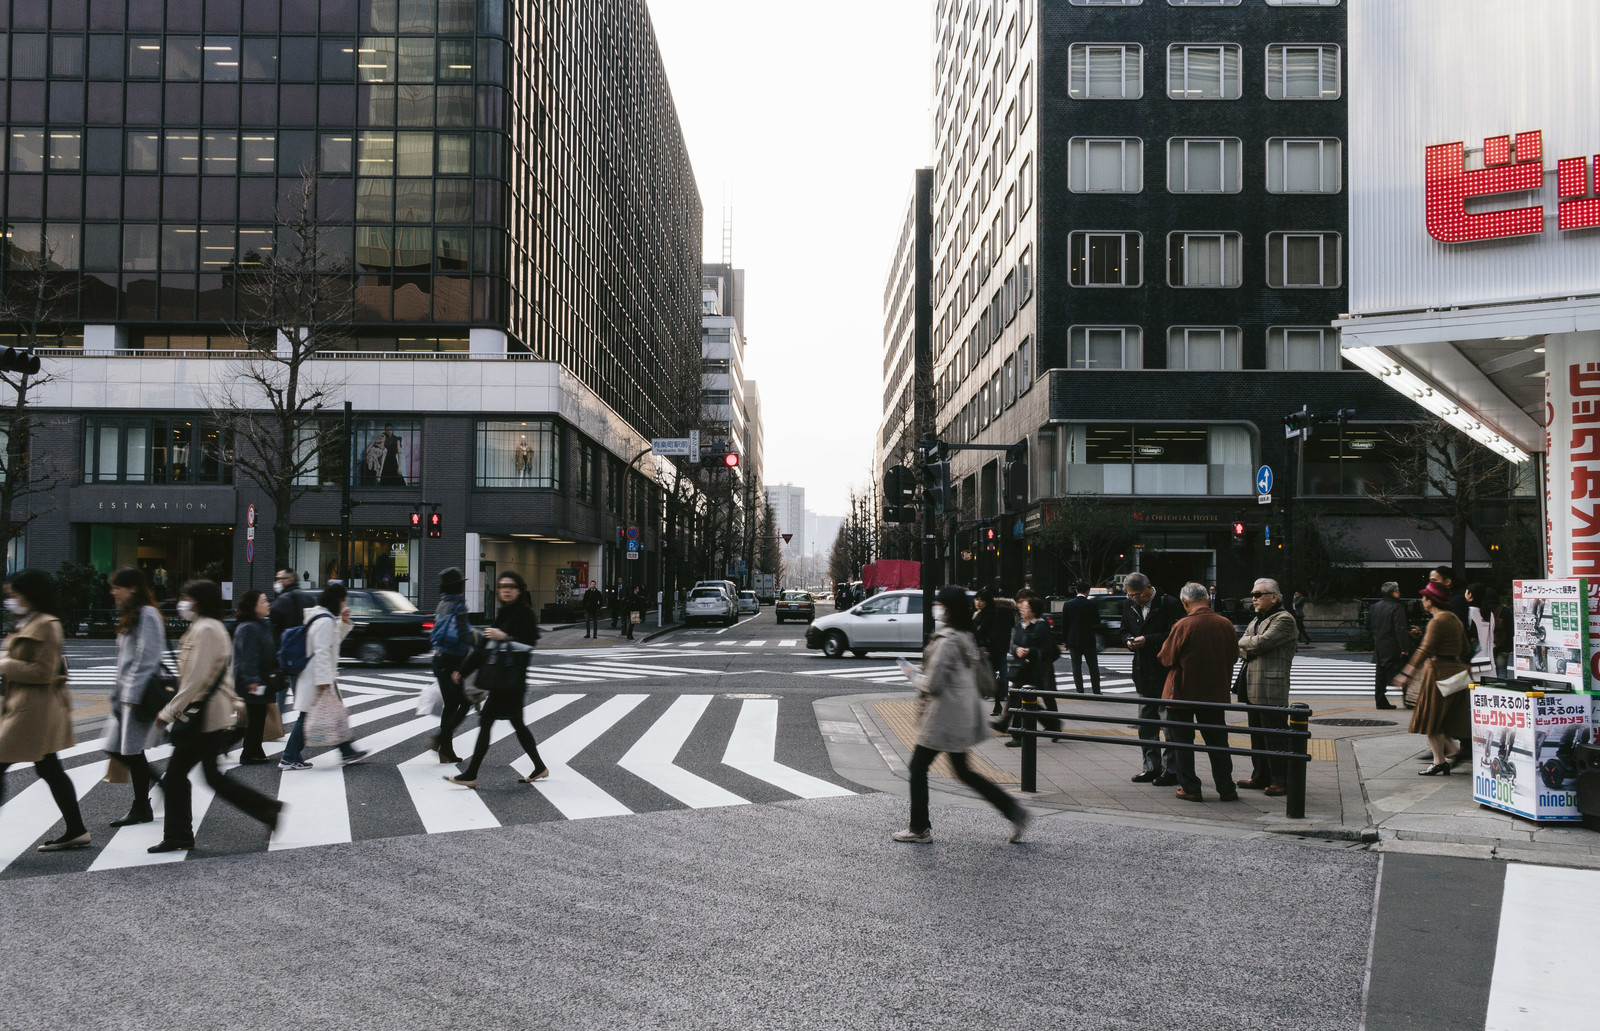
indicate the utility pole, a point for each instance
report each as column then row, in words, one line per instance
column 345, row 504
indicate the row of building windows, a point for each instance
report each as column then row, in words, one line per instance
column 1000, row 391
column 1203, row 71
column 1204, row 3
column 1204, row 164
column 425, row 17
column 1004, row 305
column 1295, row 261
column 1296, row 348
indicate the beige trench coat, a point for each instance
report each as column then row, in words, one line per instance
column 36, row 718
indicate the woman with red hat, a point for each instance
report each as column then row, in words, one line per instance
column 1440, row 717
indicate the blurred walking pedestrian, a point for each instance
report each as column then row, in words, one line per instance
column 1481, row 627
column 255, row 671
column 141, row 639
column 327, row 623
column 952, row 719
column 202, row 720
column 36, row 713
column 1199, row 654
column 1437, row 658
column 1147, row 618
column 502, row 668
column 1268, row 646
column 453, row 640
column 1298, row 608
column 1391, row 640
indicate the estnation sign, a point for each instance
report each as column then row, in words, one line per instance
column 1510, row 165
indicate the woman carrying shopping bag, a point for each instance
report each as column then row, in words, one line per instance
column 502, row 669
column 36, row 718
column 203, row 720
column 255, row 671
column 327, row 622
column 953, row 719
column 141, row 639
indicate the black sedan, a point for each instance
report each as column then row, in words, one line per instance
column 385, row 626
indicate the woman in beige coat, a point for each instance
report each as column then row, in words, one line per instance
column 1438, row 658
column 36, row 718
column 205, row 677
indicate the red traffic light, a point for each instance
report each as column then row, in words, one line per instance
column 988, row 533
column 435, row 525
column 1238, row 529
column 730, row 460
column 416, row 520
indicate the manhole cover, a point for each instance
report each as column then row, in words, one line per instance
column 1353, row 723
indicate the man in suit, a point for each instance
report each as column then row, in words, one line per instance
column 1147, row 619
column 1200, row 653
column 593, row 599
column 1081, row 617
column 1391, row 640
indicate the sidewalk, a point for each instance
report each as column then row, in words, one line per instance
column 1361, row 784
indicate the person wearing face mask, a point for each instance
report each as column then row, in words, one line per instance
column 287, row 609
column 36, row 715
column 205, row 677
column 952, row 720
column 325, row 631
column 141, row 638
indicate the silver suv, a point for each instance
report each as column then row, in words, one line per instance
column 710, row 604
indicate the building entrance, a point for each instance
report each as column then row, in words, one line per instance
column 169, row 555
column 1170, row 570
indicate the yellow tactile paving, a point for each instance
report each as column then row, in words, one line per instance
column 901, row 718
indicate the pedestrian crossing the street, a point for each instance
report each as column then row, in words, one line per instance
column 609, row 755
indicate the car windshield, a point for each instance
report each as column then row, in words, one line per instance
column 393, row 601
column 796, row 596
column 749, row 595
column 706, row 592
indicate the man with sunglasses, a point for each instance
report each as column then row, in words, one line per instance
column 1268, row 648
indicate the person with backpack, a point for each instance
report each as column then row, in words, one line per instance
column 502, row 668
column 952, row 718
column 310, row 654
column 452, row 639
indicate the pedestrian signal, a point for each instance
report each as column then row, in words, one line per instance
column 435, row 525
column 416, row 522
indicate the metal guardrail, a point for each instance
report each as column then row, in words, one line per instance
column 1299, row 732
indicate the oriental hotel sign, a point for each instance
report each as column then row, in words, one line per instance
column 1511, row 164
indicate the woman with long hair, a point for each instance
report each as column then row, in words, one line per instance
column 506, row 650
column 141, row 638
column 36, row 717
column 952, row 718
column 205, row 679
column 255, row 670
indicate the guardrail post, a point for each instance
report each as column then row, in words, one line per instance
column 1295, row 804
column 1030, row 751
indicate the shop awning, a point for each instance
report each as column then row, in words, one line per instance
column 1395, row 542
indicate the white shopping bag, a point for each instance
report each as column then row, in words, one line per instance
column 431, row 701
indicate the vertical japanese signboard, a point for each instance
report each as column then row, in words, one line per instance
column 1572, row 449
column 1550, row 631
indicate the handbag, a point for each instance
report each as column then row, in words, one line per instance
column 635, row 618
column 1456, row 684
column 161, row 688
column 272, row 726
column 327, row 721
column 501, row 672
column 185, row 731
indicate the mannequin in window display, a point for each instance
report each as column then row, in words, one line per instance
column 524, row 458
column 391, row 476
column 372, row 460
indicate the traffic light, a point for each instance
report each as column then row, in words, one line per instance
column 989, row 537
column 1016, row 480
column 1299, row 422
column 416, row 521
column 435, row 525
column 25, row 362
column 731, row 460
column 1238, row 534
column 936, row 486
column 899, row 495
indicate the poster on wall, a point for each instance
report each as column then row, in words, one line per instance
column 566, row 584
column 1550, row 632
column 1525, row 751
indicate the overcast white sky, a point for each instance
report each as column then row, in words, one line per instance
column 811, row 117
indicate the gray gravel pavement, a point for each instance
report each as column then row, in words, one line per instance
column 794, row 915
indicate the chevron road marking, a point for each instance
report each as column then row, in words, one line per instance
column 651, row 757
column 753, row 748
column 575, row 795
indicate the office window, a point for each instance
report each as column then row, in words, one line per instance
column 1303, row 349
column 1203, row 347
column 1025, row 185
column 1024, row 365
column 27, row 150
column 995, row 400
column 1106, row 3
column 1025, row 97
column 1010, row 374
column 133, row 449
column 1203, row 71
column 1303, row 260
column 526, row 454
column 1111, row 71
column 1303, row 166
column 1203, row 165
column 1105, row 259
column 1302, row 72
column 1157, row 460
column 1024, row 277
column 983, row 406
column 1204, row 259
column 1104, row 347
column 1302, row 3
column 1109, row 165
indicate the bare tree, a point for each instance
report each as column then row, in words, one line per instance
column 1452, row 471
column 38, row 299
column 299, row 302
column 1087, row 535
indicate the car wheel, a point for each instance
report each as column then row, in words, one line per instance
column 834, row 645
column 373, row 654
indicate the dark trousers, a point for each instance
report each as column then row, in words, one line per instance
column 497, row 709
column 615, row 611
column 1018, row 705
column 455, row 701
column 1262, row 769
column 1156, row 759
column 1002, row 686
column 1300, row 628
column 591, row 622
column 627, row 624
column 923, row 757
column 1385, row 672
column 1092, row 655
column 138, row 776
column 255, row 729
column 203, row 752
column 1213, row 726
column 61, row 789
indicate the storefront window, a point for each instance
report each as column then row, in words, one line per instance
column 169, row 555
column 519, row 454
column 157, row 451
column 1157, row 459
column 386, row 452
column 379, row 560
column 321, row 455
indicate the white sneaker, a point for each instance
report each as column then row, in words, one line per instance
column 1019, row 828
column 286, row 765
column 915, row 837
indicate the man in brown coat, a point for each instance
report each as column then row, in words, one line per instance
column 1200, row 653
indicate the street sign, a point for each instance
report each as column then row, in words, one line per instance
column 1263, row 499
column 633, row 548
column 250, row 516
column 249, row 551
column 633, row 533
column 787, row 537
column 250, row 533
column 1264, row 480
column 677, row 447
column 1018, row 530
column 633, row 554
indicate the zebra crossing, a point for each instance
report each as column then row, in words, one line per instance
column 691, row 751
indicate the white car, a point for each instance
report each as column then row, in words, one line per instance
column 710, row 605
column 891, row 621
column 749, row 604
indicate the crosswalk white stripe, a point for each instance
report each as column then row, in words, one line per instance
column 130, row 846
column 755, row 644
column 837, row 672
column 316, row 810
column 648, row 668
column 445, row 807
column 1534, row 986
column 790, row 643
column 692, row 644
column 652, row 757
column 25, row 818
column 754, row 746
column 575, row 795
column 571, row 677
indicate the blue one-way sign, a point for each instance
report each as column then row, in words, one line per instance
column 1264, row 480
